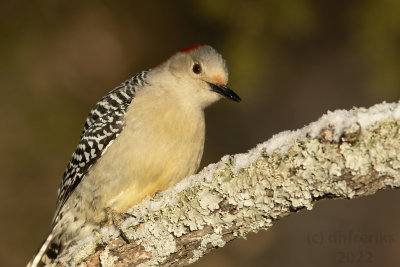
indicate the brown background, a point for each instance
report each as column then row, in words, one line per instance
column 290, row 61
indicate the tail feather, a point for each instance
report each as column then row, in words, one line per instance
column 47, row 252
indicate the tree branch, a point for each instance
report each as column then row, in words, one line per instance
column 345, row 154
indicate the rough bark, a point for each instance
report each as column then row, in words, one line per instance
column 345, row 154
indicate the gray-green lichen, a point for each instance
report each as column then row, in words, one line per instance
column 214, row 239
column 106, row 259
column 235, row 203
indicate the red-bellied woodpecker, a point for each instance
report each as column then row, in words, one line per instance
column 144, row 136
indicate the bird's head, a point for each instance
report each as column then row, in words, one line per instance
column 202, row 74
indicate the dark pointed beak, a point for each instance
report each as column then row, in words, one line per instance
column 225, row 91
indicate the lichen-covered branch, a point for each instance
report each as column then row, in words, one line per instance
column 345, row 154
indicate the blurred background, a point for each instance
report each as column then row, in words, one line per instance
column 290, row 61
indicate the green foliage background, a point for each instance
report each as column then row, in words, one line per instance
column 290, row 61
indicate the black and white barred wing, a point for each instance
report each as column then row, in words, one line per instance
column 120, row 96
column 103, row 125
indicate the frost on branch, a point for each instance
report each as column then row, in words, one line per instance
column 345, row 154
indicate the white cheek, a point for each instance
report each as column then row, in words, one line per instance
column 208, row 97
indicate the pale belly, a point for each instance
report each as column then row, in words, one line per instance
column 143, row 159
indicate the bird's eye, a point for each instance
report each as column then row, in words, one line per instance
column 196, row 68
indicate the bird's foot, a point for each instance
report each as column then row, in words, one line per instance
column 115, row 218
